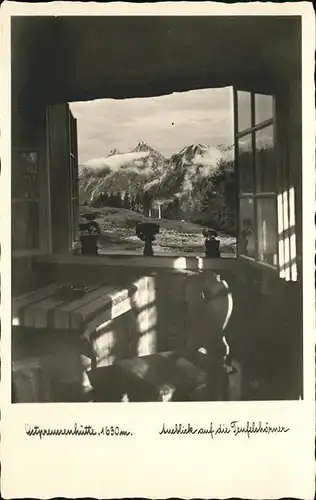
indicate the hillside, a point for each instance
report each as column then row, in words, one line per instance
column 118, row 234
column 194, row 184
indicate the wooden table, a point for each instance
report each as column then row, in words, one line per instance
column 50, row 307
column 53, row 322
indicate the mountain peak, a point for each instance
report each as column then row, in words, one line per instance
column 113, row 152
column 189, row 152
column 142, row 146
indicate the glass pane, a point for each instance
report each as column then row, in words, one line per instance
column 266, row 169
column 263, row 108
column 245, row 165
column 247, row 237
column 267, row 230
column 25, row 225
column 25, row 175
column 244, row 110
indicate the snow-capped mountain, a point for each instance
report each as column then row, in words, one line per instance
column 193, row 164
column 153, row 158
column 142, row 158
column 142, row 147
column 188, row 153
column 145, row 170
column 203, row 154
column 114, row 152
column 120, row 172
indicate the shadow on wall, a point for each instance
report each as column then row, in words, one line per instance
column 155, row 323
column 128, row 336
column 266, row 337
column 160, row 332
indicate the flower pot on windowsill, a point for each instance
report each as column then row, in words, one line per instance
column 146, row 232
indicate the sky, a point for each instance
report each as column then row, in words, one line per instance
column 167, row 123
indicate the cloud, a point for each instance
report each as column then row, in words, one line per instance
column 117, row 162
column 212, row 157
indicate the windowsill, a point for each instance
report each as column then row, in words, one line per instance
column 173, row 262
column 162, row 261
column 259, row 265
column 27, row 253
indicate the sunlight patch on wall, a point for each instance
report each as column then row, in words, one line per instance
column 200, row 263
column 281, row 232
column 287, row 235
column 180, row 263
column 145, row 298
column 293, row 235
column 103, row 343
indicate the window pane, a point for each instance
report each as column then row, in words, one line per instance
column 266, row 170
column 244, row 110
column 267, row 230
column 247, row 237
column 263, row 108
column 25, row 226
column 245, row 164
column 25, row 175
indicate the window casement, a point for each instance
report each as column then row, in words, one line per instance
column 257, row 174
column 266, row 193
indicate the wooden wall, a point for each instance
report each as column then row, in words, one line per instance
column 289, row 140
column 29, row 134
column 45, row 130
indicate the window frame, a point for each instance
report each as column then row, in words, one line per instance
column 255, row 195
column 15, row 200
column 73, row 177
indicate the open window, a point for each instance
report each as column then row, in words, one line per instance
column 265, row 201
column 161, row 169
column 257, row 176
column 63, row 168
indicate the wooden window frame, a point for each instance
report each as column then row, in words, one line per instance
column 73, row 180
column 40, row 249
column 255, row 196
